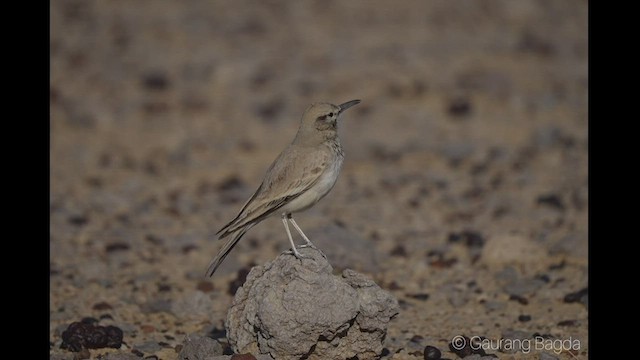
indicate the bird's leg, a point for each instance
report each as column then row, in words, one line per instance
column 295, row 251
column 309, row 243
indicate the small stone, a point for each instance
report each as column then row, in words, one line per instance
column 78, row 220
column 568, row 323
column 461, row 346
column 524, row 318
column 117, row 246
column 468, row 238
column 459, row 107
column 551, row 200
column 197, row 347
column 205, row 286
column 155, row 81
column 432, row 353
column 239, row 280
column 398, row 250
column 521, row 299
column 102, row 306
column 82, row 335
column 420, row 296
column 581, row 296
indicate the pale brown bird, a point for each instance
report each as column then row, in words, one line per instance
column 303, row 173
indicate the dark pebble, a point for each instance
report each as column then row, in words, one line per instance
column 524, row 318
column 459, row 107
column 543, row 277
column 416, row 339
column 78, row 220
column 270, row 110
column 443, row 263
column 230, row 183
column 421, row 296
column 82, row 335
column 432, row 353
column 189, row 248
column 568, row 323
column 463, row 349
column 559, row 266
column 116, row 247
column 578, row 296
column 137, row 352
column 216, row 333
column 530, row 42
column 399, row 250
column 89, row 320
column 153, row 239
column 394, row 286
column 205, row 286
column 239, row 280
column 551, row 200
column 102, row 306
column 468, row 238
column 164, row 287
column 521, row 299
column 155, row 81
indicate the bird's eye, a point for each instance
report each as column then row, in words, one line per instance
column 330, row 114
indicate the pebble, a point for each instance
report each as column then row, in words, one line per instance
column 524, row 318
column 581, row 296
column 432, row 353
column 85, row 335
column 459, row 107
column 551, row 200
column 199, row 347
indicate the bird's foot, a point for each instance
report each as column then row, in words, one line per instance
column 297, row 254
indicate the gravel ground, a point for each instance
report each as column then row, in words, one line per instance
column 464, row 189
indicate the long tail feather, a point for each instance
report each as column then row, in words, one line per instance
column 224, row 251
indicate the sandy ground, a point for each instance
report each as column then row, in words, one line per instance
column 463, row 192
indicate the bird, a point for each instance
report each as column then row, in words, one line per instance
column 304, row 172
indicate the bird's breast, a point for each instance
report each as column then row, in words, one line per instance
column 321, row 188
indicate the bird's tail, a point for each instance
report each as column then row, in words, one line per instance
column 225, row 250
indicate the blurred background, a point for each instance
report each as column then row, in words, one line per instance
column 165, row 115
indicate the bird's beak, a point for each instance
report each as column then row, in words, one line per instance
column 348, row 104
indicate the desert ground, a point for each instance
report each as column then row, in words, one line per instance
column 464, row 189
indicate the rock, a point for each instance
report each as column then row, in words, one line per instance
column 197, row 347
column 293, row 308
column 85, row 335
column 432, row 353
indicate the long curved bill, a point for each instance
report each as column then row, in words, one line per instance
column 348, row 104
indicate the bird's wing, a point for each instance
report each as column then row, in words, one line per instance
column 290, row 175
